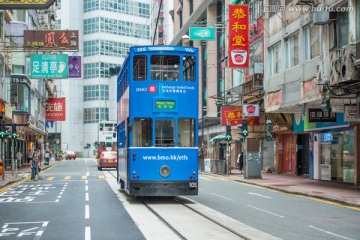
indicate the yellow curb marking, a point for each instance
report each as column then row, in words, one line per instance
column 50, row 178
column 67, row 177
column 203, row 178
column 101, row 177
column 2, row 190
column 84, row 177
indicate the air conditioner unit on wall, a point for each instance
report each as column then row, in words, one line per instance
column 322, row 18
column 349, row 72
column 343, row 65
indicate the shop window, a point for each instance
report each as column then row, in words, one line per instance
column 20, row 97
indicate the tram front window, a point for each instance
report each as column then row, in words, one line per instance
column 142, row 132
column 165, row 136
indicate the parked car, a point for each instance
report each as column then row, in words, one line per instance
column 108, row 159
column 70, row 155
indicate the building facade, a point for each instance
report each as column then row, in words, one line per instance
column 312, row 86
column 106, row 29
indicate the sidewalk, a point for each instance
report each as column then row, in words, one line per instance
column 302, row 185
column 21, row 173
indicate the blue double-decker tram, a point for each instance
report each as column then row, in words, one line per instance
column 157, row 117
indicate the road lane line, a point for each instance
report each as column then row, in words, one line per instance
column 204, row 178
column 222, row 197
column 262, row 210
column 101, row 177
column 87, row 233
column 258, row 194
column 87, row 212
column 87, row 174
column 87, row 197
column 86, row 188
column 330, row 233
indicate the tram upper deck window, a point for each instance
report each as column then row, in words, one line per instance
column 142, row 132
column 165, row 68
column 139, row 73
column 189, row 63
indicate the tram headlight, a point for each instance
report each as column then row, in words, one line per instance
column 165, row 171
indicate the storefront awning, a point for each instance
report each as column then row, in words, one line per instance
column 218, row 137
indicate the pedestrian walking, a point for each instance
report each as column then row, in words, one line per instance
column 35, row 166
column 30, row 155
column 18, row 158
column 240, row 161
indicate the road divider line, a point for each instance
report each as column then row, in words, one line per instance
column 87, row 233
column 262, row 210
column 330, row 233
column 87, row 197
column 258, row 194
column 222, row 197
column 87, row 212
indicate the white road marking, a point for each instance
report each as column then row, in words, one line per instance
column 87, row 233
column 330, row 233
column 222, row 197
column 86, row 181
column 87, row 212
column 87, row 197
column 277, row 215
column 260, row 195
column 87, row 174
column 86, row 188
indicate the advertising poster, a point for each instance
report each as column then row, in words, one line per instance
column 55, row 109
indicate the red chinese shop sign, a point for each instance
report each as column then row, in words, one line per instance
column 55, row 109
column 51, row 40
column 238, row 54
column 234, row 115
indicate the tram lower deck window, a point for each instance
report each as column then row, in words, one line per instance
column 165, row 136
column 142, row 132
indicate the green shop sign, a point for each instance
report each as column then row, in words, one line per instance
column 202, row 33
column 49, row 66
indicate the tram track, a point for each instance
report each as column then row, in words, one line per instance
column 185, row 221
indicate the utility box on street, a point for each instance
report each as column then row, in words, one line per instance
column 253, row 165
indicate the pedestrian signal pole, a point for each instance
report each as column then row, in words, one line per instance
column 2, row 135
column 228, row 138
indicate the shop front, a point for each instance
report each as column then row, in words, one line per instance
column 332, row 146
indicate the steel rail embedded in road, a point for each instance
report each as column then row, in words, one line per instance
column 173, row 207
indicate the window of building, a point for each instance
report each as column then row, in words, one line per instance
column 342, row 29
column 311, row 42
column 274, row 53
column 140, row 67
column 96, row 92
column 165, row 68
column 186, row 132
column 357, row 17
column 91, row 5
column 94, row 115
column 142, row 132
column 58, row 4
column 58, row 24
column 20, row 97
column 189, row 68
column 165, row 134
column 191, row 6
column 292, row 50
column 96, row 70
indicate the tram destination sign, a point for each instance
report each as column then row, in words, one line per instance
column 165, row 105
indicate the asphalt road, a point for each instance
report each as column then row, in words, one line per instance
column 74, row 201
column 281, row 215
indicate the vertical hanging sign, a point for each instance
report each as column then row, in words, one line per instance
column 238, row 54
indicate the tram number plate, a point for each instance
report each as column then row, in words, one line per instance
column 193, row 184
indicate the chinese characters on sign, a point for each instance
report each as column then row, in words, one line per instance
column 234, row 116
column 25, row 4
column 74, row 67
column 238, row 36
column 55, row 109
column 49, row 66
column 318, row 115
column 51, row 39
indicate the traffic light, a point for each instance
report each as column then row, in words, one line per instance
column 228, row 136
column 244, row 128
column 14, row 134
column 2, row 129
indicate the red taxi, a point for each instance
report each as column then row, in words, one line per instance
column 107, row 159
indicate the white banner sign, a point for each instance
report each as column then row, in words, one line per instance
column 350, row 114
column 251, row 110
